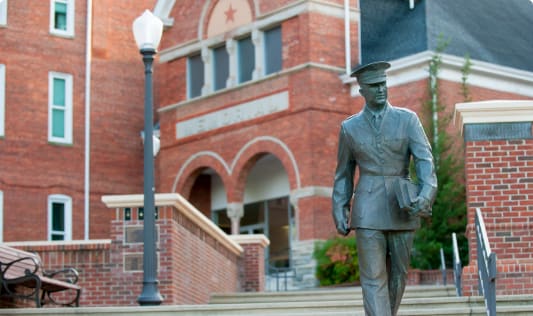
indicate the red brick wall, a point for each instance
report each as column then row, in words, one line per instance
column 192, row 266
column 252, row 270
column 30, row 167
column 500, row 183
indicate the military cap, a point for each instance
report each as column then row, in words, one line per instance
column 371, row 73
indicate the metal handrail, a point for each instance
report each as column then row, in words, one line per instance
column 281, row 276
column 457, row 267
column 443, row 267
column 486, row 263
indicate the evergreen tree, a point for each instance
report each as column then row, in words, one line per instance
column 449, row 209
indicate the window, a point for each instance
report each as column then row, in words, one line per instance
column 220, row 67
column 59, row 217
column 62, row 17
column 2, row 99
column 3, row 13
column 272, row 50
column 60, row 108
column 246, row 59
column 195, row 73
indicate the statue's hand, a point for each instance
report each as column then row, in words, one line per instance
column 421, row 207
column 342, row 228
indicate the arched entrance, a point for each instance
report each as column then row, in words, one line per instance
column 267, row 209
column 208, row 193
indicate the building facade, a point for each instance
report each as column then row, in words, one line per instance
column 249, row 96
column 71, row 115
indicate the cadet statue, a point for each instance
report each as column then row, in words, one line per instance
column 380, row 141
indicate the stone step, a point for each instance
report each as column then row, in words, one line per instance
column 325, row 294
column 418, row 301
column 423, row 307
column 413, row 306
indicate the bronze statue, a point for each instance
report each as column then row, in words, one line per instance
column 380, row 141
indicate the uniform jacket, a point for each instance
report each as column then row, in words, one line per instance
column 381, row 155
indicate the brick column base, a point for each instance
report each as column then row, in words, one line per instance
column 252, row 268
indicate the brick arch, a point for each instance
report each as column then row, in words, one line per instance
column 194, row 165
column 251, row 152
column 208, row 10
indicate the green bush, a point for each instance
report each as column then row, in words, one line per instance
column 337, row 261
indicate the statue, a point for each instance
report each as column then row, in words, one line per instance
column 380, row 141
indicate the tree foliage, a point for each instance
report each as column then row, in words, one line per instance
column 449, row 209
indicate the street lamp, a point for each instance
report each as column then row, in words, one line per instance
column 147, row 30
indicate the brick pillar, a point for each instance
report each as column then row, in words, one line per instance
column 499, row 176
column 252, row 267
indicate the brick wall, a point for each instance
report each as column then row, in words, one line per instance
column 499, row 178
column 31, row 167
column 252, row 270
column 195, row 260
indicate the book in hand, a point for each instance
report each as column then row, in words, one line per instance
column 406, row 192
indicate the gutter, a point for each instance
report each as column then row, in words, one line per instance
column 347, row 47
column 88, row 58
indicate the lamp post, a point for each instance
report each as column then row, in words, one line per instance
column 147, row 30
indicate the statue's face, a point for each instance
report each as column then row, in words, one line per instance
column 375, row 94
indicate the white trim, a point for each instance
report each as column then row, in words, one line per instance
column 494, row 111
column 195, row 156
column 69, row 32
column 3, row 12
column 67, row 203
column 1, row 216
column 308, row 191
column 39, row 243
column 162, row 10
column 242, row 239
column 482, row 74
column 2, row 99
column 67, row 139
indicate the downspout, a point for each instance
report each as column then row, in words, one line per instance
column 348, row 52
column 88, row 57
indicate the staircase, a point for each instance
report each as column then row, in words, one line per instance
column 418, row 300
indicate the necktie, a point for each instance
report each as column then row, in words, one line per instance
column 377, row 120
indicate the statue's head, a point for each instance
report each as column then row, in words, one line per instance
column 372, row 81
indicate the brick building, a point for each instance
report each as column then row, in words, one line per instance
column 72, row 111
column 249, row 97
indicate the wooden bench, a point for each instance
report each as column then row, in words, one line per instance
column 22, row 276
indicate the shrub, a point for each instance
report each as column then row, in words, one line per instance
column 337, row 261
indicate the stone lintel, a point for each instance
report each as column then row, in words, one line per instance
column 495, row 119
column 251, row 239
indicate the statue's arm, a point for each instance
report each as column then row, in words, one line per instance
column 420, row 148
column 343, row 184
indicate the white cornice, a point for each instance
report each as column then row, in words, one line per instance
column 262, row 22
column 251, row 239
column 40, row 243
column 494, row 111
column 162, row 10
column 482, row 74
